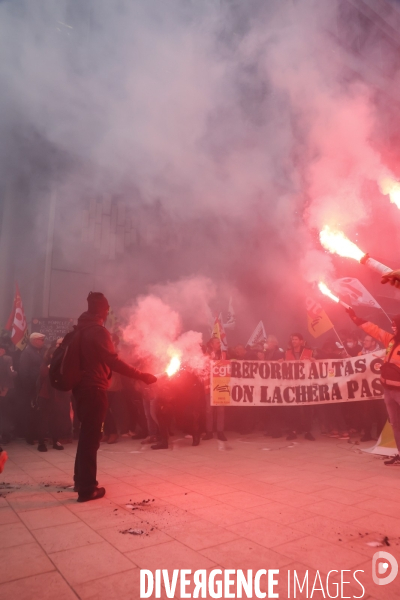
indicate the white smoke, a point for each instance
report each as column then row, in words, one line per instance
column 246, row 121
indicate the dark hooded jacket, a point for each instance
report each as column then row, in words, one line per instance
column 98, row 356
column 29, row 369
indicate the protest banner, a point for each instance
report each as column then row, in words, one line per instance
column 291, row 383
column 52, row 328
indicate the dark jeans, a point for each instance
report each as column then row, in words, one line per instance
column 46, row 420
column 372, row 412
column 29, row 416
column 76, row 425
column 275, row 418
column 190, row 413
column 91, row 408
column 62, row 410
column 6, row 416
column 110, row 421
column 300, row 418
column 164, row 414
column 117, row 414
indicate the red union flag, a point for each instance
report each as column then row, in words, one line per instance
column 17, row 323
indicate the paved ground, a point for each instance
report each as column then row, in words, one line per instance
column 254, row 503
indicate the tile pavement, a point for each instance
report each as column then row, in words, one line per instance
column 237, row 505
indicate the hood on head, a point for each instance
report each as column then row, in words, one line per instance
column 87, row 319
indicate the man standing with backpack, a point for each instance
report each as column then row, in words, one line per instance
column 94, row 349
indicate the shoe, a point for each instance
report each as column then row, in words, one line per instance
column 151, row 439
column 292, row 436
column 104, row 439
column 334, row 434
column 42, row 448
column 366, row 438
column 58, row 446
column 207, row 436
column 309, row 436
column 221, row 436
column 160, row 446
column 196, row 440
column 113, row 438
column 95, row 495
column 344, row 436
column 393, row 462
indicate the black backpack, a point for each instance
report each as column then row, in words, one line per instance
column 389, row 371
column 65, row 367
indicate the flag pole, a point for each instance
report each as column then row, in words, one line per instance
column 386, row 315
column 338, row 337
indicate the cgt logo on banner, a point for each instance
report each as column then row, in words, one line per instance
column 287, row 383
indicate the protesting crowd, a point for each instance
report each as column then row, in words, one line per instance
column 107, row 398
column 31, row 408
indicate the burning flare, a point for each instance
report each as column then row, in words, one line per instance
column 327, row 292
column 173, row 367
column 391, row 187
column 337, row 243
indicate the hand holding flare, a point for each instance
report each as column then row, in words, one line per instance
column 327, row 292
column 337, row 243
column 173, row 367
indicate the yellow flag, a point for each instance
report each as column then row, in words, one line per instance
column 218, row 331
column 318, row 320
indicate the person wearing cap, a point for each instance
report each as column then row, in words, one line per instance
column 390, row 371
column 98, row 360
column 28, row 375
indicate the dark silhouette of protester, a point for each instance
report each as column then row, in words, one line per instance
column 7, row 376
column 275, row 417
column 28, row 375
column 213, row 350
column 46, row 406
column 300, row 418
column 98, row 360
